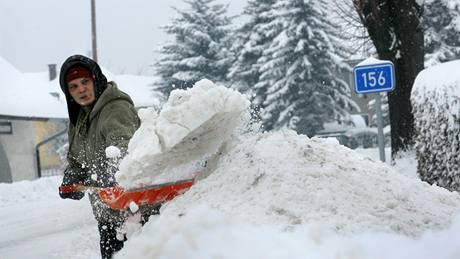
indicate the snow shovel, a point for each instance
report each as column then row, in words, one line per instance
column 119, row 198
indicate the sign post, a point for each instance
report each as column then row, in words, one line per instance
column 375, row 76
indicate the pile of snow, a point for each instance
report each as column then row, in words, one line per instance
column 29, row 191
column 192, row 124
column 287, row 187
column 275, row 194
column 207, row 233
column 286, row 180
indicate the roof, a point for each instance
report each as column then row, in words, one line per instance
column 34, row 96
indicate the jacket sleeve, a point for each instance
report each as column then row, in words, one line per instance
column 120, row 121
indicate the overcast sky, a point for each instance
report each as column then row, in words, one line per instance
column 36, row 33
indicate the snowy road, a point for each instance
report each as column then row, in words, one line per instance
column 48, row 228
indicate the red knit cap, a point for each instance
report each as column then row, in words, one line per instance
column 77, row 71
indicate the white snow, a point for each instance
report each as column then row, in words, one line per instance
column 139, row 89
column 310, row 197
column 208, row 233
column 439, row 81
column 192, row 124
column 439, row 85
column 112, row 152
column 287, row 180
column 29, row 95
column 36, row 223
column 371, row 61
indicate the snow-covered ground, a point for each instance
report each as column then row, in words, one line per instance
column 36, row 223
column 264, row 195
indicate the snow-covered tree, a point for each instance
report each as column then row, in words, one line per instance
column 296, row 87
column 200, row 48
column 442, row 30
column 251, row 39
column 436, row 104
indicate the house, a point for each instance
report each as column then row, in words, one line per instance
column 33, row 119
column 345, row 73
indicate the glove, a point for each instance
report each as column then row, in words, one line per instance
column 69, row 181
column 71, row 195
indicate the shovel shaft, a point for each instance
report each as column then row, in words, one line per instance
column 77, row 188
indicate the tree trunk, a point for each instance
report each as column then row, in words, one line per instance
column 395, row 28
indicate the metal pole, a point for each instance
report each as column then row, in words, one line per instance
column 378, row 109
column 93, row 29
column 41, row 143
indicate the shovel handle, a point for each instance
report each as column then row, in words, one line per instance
column 69, row 188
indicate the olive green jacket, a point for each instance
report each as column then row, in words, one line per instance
column 112, row 121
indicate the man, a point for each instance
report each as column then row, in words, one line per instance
column 100, row 116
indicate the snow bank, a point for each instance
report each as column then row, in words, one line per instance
column 29, row 191
column 286, row 180
column 208, row 233
column 294, row 195
column 192, row 124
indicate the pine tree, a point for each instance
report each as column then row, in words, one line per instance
column 442, row 43
column 250, row 41
column 296, row 69
column 200, row 47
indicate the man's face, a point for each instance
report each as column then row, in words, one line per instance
column 82, row 91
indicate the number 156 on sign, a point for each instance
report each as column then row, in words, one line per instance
column 374, row 78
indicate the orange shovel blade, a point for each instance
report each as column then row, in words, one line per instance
column 119, row 199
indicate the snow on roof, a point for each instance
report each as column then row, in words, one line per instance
column 357, row 121
column 332, row 127
column 8, row 69
column 139, row 88
column 28, row 94
column 33, row 95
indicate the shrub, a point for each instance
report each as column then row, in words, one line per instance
column 436, row 106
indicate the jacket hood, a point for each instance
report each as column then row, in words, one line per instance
column 111, row 93
column 100, row 82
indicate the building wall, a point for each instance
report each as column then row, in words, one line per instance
column 20, row 150
column 49, row 158
column 5, row 171
column 362, row 100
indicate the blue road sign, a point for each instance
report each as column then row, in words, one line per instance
column 374, row 78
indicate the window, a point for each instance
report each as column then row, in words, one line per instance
column 6, row 127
